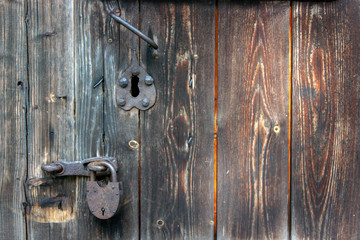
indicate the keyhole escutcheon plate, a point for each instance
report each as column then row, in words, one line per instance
column 135, row 88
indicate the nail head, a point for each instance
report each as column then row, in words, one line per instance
column 121, row 102
column 149, row 80
column 145, row 102
column 123, row 82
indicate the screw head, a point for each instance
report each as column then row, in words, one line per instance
column 145, row 102
column 121, row 102
column 123, row 82
column 149, row 80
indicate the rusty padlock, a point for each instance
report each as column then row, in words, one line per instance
column 104, row 201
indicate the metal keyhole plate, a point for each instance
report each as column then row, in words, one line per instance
column 135, row 88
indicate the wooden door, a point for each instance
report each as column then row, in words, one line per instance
column 254, row 134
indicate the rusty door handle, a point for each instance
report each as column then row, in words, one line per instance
column 134, row 30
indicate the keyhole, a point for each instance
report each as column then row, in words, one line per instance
column 103, row 211
column 134, row 86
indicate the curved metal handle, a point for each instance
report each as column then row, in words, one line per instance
column 134, row 30
column 108, row 165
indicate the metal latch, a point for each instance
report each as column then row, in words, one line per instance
column 103, row 199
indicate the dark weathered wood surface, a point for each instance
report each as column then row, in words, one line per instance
column 89, row 21
column 53, row 52
column 13, row 92
column 81, row 47
column 253, row 76
column 122, row 126
column 177, row 133
column 52, row 206
column 326, row 125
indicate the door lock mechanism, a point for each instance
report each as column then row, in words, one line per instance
column 103, row 199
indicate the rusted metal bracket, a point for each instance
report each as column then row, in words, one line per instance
column 78, row 168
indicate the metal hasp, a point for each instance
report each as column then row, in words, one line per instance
column 77, row 168
column 103, row 200
column 135, row 88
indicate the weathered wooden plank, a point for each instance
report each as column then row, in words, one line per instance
column 122, row 126
column 253, row 80
column 89, row 19
column 52, row 205
column 177, row 146
column 89, row 33
column 326, row 125
column 13, row 89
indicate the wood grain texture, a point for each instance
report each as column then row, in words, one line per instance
column 122, row 126
column 89, row 19
column 52, row 205
column 326, row 125
column 253, row 78
column 13, row 89
column 177, row 150
column 89, row 33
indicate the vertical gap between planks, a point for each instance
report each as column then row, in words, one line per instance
column 139, row 129
column 27, row 102
column 74, row 92
column 103, row 86
column 139, row 173
column 290, row 120
column 215, row 116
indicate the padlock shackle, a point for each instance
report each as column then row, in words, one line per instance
column 105, row 164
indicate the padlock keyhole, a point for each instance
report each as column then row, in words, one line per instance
column 134, row 90
column 103, row 211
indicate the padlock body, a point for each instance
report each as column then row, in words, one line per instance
column 103, row 201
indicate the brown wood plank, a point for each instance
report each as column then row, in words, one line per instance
column 122, row 126
column 177, row 146
column 52, row 206
column 253, row 80
column 13, row 89
column 326, row 125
